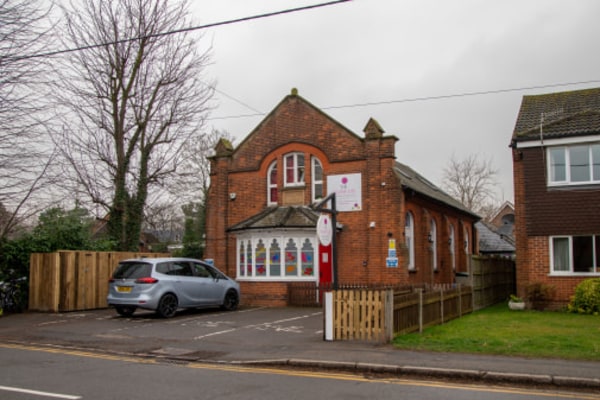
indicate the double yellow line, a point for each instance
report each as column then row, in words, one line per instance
column 300, row 373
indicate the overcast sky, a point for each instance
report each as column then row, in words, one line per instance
column 372, row 51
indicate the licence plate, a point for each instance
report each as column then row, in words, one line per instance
column 124, row 289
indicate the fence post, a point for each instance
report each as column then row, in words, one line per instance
column 459, row 300
column 442, row 305
column 389, row 315
column 420, row 292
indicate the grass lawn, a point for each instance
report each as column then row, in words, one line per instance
column 498, row 330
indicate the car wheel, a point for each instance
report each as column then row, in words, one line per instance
column 231, row 300
column 125, row 311
column 167, row 306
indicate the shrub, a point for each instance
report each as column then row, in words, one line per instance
column 587, row 297
column 539, row 294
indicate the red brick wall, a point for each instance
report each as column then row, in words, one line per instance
column 296, row 126
column 539, row 213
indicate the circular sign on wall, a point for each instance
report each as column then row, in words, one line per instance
column 324, row 229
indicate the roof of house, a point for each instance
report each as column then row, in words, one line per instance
column 557, row 115
column 412, row 180
column 280, row 217
column 491, row 241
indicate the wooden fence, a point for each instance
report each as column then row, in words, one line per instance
column 73, row 280
column 492, row 278
column 376, row 315
column 415, row 311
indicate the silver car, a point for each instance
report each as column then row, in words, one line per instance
column 167, row 284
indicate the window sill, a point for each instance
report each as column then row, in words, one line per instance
column 276, row 279
column 573, row 274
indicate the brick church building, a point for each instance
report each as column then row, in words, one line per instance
column 393, row 225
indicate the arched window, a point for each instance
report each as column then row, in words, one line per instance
column 272, row 193
column 452, row 244
column 466, row 236
column 409, row 239
column 433, row 241
column 317, row 179
column 294, row 169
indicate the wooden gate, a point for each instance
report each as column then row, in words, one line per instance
column 362, row 314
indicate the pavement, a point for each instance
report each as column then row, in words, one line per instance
column 290, row 337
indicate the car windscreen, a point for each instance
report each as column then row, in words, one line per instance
column 132, row 270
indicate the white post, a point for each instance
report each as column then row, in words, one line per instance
column 328, row 315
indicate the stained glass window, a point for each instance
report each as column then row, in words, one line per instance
column 260, row 257
column 291, row 258
column 308, row 258
column 275, row 259
column 249, row 259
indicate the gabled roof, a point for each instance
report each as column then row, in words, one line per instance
column 280, row 217
column 558, row 115
column 412, row 180
column 491, row 241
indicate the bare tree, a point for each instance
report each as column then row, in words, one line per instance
column 24, row 153
column 167, row 209
column 130, row 105
column 472, row 181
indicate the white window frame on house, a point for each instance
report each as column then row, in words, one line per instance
column 317, row 184
column 272, row 185
column 409, row 239
column 575, row 164
column 565, row 261
column 298, row 165
column 304, row 269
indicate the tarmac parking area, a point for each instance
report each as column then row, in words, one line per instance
column 194, row 334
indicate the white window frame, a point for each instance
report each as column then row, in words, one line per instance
column 566, row 152
column 314, row 163
column 271, row 185
column 299, row 173
column 409, row 239
column 282, row 236
column 571, row 266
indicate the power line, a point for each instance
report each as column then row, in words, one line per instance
column 425, row 98
column 193, row 28
column 466, row 94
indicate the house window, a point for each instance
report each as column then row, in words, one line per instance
column 272, row 194
column 261, row 258
column 308, row 259
column 294, row 169
column 274, row 259
column 574, row 165
column 317, row 179
column 270, row 256
column 575, row 254
column 242, row 260
column 466, row 242
column 433, row 241
column 451, row 244
column 409, row 239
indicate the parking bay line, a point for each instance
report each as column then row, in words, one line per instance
column 255, row 326
column 39, row 393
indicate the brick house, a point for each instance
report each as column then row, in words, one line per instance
column 393, row 225
column 556, row 167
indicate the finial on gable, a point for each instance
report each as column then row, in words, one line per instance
column 373, row 130
column 294, row 91
column 224, row 148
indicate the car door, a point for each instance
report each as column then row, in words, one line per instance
column 210, row 289
column 184, row 283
